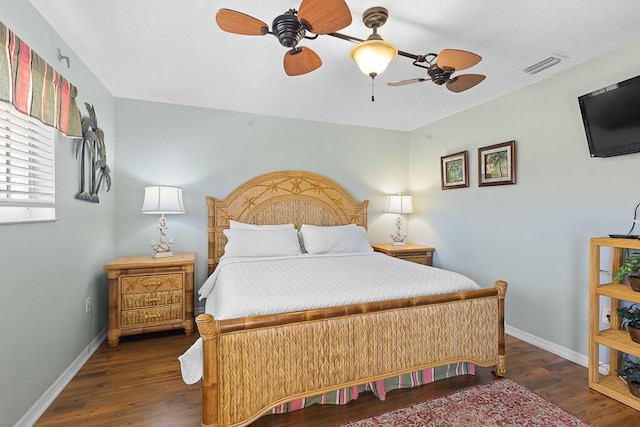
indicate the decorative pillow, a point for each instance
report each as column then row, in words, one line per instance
column 335, row 240
column 236, row 225
column 261, row 243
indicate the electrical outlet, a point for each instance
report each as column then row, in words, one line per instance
column 87, row 305
column 605, row 316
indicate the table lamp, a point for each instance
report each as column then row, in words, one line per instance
column 161, row 200
column 399, row 204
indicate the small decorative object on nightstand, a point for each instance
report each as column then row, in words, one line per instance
column 149, row 294
column 399, row 204
column 408, row 252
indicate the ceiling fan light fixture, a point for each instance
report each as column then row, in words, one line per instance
column 374, row 55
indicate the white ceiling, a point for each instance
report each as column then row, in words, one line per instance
column 172, row 51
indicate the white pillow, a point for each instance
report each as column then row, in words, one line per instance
column 261, row 243
column 335, row 240
column 320, row 227
column 236, row 225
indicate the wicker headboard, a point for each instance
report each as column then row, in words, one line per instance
column 283, row 197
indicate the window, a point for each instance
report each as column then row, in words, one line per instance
column 27, row 166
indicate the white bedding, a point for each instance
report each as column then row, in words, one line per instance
column 254, row 286
column 242, row 287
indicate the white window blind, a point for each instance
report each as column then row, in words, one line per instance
column 27, row 167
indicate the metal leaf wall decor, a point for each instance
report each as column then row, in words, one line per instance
column 94, row 171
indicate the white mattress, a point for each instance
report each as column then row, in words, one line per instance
column 242, row 287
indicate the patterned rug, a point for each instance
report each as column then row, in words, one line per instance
column 500, row 403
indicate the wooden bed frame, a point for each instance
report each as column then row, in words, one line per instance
column 252, row 364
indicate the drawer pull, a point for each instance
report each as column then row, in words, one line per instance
column 148, row 284
column 151, row 316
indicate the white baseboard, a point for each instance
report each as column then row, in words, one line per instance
column 41, row 405
column 563, row 352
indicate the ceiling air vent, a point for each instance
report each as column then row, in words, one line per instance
column 543, row 65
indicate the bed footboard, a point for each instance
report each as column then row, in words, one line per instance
column 252, row 364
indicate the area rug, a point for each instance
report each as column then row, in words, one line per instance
column 500, row 403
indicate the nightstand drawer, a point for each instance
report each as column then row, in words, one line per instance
column 157, row 282
column 151, row 315
column 150, row 299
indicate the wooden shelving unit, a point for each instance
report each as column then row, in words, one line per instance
column 616, row 340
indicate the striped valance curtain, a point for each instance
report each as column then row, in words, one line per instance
column 34, row 87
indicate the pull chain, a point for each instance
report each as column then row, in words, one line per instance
column 372, row 89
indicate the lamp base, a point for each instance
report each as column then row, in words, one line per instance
column 162, row 254
column 398, row 243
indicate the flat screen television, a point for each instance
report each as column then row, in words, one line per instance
column 611, row 117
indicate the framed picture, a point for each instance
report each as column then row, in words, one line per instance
column 453, row 171
column 497, row 164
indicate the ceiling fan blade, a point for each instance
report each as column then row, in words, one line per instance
column 464, row 82
column 457, row 59
column 301, row 60
column 239, row 23
column 407, row 82
column 325, row 16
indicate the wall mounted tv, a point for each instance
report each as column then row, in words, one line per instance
column 611, row 117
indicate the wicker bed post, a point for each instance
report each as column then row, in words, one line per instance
column 211, row 230
column 501, row 367
column 208, row 329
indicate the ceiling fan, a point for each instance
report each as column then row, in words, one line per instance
column 326, row 17
column 314, row 16
column 440, row 68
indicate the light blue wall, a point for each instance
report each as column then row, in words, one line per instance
column 534, row 234
column 47, row 270
column 211, row 152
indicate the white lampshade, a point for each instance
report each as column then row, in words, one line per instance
column 400, row 204
column 161, row 199
column 373, row 56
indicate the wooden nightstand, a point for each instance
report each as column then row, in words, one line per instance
column 150, row 294
column 409, row 252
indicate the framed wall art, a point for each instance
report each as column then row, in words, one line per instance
column 497, row 164
column 453, row 171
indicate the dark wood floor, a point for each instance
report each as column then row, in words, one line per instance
column 138, row 383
